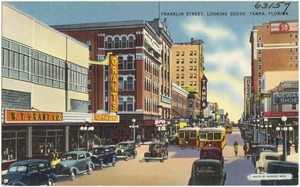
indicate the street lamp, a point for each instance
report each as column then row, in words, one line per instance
column 284, row 128
column 266, row 129
column 133, row 126
column 87, row 128
column 161, row 127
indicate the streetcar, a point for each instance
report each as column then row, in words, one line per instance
column 212, row 136
column 189, row 137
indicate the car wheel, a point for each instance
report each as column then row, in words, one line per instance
column 114, row 161
column 162, row 160
column 72, row 176
column 90, row 170
column 193, row 147
column 147, row 160
column 167, row 155
column 182, row 147
column 50, row 182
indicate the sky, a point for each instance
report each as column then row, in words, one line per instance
column 224, row 26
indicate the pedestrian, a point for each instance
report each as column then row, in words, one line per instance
column 289, row 144
column 272, row 140
column 265, row 141
column 245, row 148
column 138, row 140
column 236, row 148
column 277, row 140
column 91, row 144
column 296, row 145
column 51, row 156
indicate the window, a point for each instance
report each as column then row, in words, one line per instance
column 120, row 108
column 182, row 76
column 131, row 41
column 182, row 68
column 195, row 53
column 259, row 66
column 109, row 42
column 89, row 84
column 117, row 42
column 191, row 60
column 120, row 83
column 182, row 53
column 177, row 68
column 129, row 104
column 291, row 57
column 191, row 53
column 177, row 76
column 195, row 68
column 177, row 53
column 182, row 61
column 177, row 61
column 130, row 83
column 120, row 62
column 81, row 156
column 259, row 38
column 130, row 62
column 124, row 40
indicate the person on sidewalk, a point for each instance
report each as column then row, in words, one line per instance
column 296, row 145
column 236, row 148
column 245, row 148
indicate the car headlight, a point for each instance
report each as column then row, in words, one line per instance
column 122, row 150
column 5, row 181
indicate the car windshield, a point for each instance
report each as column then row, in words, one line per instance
column 205, row 169
column 99, row 151
column 69, row 157
column 272, row 158
column 17, row 169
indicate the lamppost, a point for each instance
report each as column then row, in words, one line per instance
column 133, row 126
column 284, row 128
column 160, row 127
column 266, row 129
column 87, row 128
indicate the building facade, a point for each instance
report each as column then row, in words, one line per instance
column 144, row 87
column 44, row 81
column 247, row 98
column 274, row 47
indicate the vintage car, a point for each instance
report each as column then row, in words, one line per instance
column 282, row 167
column 30, row 173
column 173, row 140
column 105, row 154
column 212, row 153
column 262, row 148
column 125, row 150
column 264, row 159
column 157, row 151
column 207, row 172
column 73, row 163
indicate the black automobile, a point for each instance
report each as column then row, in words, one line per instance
column 105, row 154
column 73, row 163
column 207, row 172
column 173, row 140
column 126, row 149
column 283, row 167
column 30, row 173
column 157, row 151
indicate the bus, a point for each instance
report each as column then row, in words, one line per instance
column 212, row 136
column 189, row 137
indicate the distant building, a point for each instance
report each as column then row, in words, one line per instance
column 44, row 78
column 188, row 70
column 247, row 97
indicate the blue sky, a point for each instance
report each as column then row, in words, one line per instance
column 226, row 37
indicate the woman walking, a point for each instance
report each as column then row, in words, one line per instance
column 236, row 148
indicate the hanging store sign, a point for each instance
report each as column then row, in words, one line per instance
column 285, row 98
column 19, row 116
column 113, row 84
column 106, row 118
column 203, row 92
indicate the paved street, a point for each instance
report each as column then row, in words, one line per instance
column 174, row 171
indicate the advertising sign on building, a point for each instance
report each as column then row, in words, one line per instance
column 22, row 116
column 114, row 84
column 203, row 92
column 285, row 98
column 284, row 27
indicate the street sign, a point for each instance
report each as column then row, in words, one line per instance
column 265, row 95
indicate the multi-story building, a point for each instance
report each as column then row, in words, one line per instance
column 247, row 98
column 44, row 81
column 144, row 88
column 188, row 70
column 179, row 102
column 274, row 47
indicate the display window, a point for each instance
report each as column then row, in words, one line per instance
column 13, row 146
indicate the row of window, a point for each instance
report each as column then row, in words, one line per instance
column 182, row 53
column 151, row 67
column 191, row 83
column 181, row 68
column 295, row 57
column 192, row 76
column 151, row 106
column 119, row 42
column 23, row 63
column 292, row 35
column 151, row 86
column 192, row 60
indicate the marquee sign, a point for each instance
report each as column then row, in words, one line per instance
column 285, row 98
column 203, row 92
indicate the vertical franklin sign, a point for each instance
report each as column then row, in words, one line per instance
column 203, row 92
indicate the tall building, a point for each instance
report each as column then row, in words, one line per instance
column 188, row 70
column 44, row 88
column 274, row 47
column 144, row 89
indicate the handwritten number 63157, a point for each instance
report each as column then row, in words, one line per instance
column 275, row 5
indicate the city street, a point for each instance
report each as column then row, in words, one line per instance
column 176, row 170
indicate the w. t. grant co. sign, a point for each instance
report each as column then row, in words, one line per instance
column 285, row 98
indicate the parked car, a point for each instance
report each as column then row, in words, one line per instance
column 262, row 148
column 157, row 151
column 212, row 153
column 252, row 148
column 282, row 167
column 73, row 163
column 30, row 173
column 105, row 154
column 126, row 149
column 207, row 172
column 264, row 159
